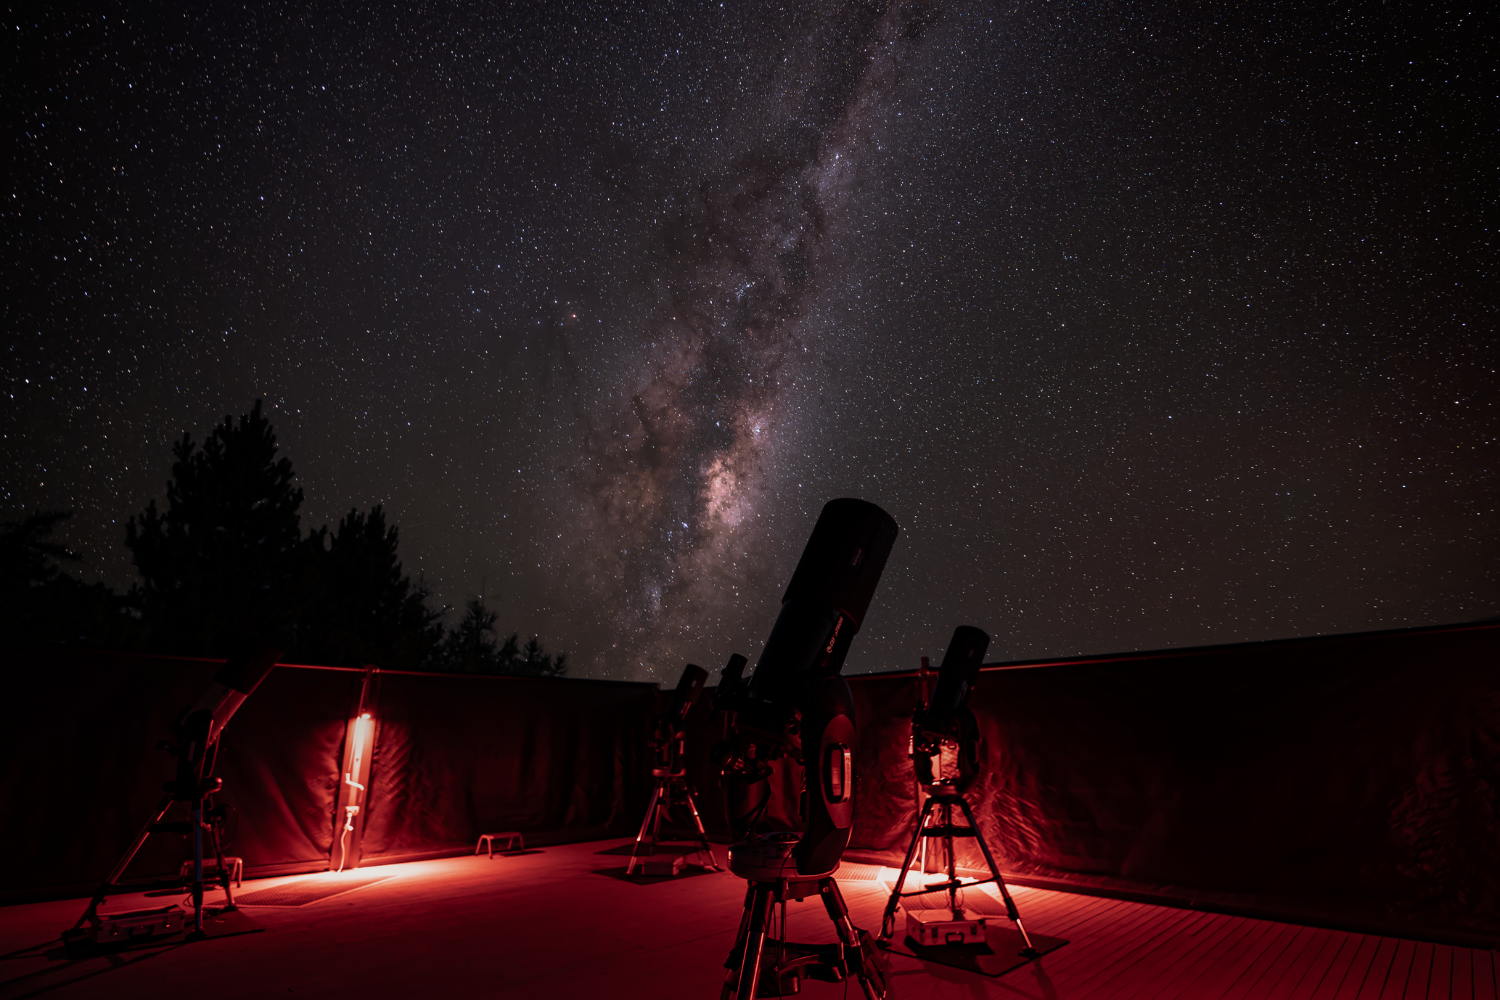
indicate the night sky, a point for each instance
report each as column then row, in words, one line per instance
column 1151, row 326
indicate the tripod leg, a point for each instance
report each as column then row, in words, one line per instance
column 739, row 936
column 857, row 943
column 745, row 979
column 663, row 810
column 1010, row 905
column 702, row 833
column 888, row 922
column 197, row 821
column 119, row 869
column 223, row 869
column 645, row 826
column 949, row 860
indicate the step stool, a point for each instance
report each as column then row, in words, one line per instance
column 236, row 869
column 512, row 841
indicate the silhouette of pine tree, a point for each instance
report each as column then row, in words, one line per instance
column 473, row 647
column 224, row 565
column 470, row 647
column 365, row 609
column 533, row 661
column 40, row 602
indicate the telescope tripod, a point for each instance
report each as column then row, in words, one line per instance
column 781, row 963
column 671, row 788
column 202, row 816
column 944, row 795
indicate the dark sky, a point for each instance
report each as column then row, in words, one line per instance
column 1151, row 325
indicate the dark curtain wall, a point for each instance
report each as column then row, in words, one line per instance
column 455, row 757
column 1333, row 778
column 1344, row 779
column 280, row 764
column 459, row 756
column 81, row 773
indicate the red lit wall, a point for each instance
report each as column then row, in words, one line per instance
column 1344, row 780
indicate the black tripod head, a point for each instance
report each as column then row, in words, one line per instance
column 946, row 717
column 795, row 703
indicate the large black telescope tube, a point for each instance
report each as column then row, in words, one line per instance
column 956, row 677
column 795, row 702
column 200, row 725
column 823, row 606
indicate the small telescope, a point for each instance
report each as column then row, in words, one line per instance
column 196, row 734
column 947, row 718
column 672, row 786
column 796, row 705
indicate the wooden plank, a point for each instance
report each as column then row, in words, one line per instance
column 1153, row 958
column 1261, row 952
column 1197, row 974
column 1440, row 986
column 1306, row 982
column 1211, row 975
column 1393, row 986
column 1216, row 938
column 1172, row 959
column 1148, row 923
column 1055, row 909
column 1155, row 925
column 1353, row 968
column 1463, row 974
column 1061, row 916
column 1373, row 971
column 1094, row 924
column 1421, row 973
column 1256, row 984
column 1484, row 975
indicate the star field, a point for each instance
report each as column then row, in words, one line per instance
column 1149, row 327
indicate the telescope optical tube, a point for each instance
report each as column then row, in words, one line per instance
column 795, row 701
column 235, row 681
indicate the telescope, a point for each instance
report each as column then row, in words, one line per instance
column 795, row 705
column 196, row 732
column 684, row 697
column 947, row 718
column 672, row 787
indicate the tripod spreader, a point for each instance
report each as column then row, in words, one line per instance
column 944, row 796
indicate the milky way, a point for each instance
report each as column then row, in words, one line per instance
column 682, row 457
column 1151, row 327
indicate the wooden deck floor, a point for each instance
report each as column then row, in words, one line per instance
column 1134, row 951
column 559, row 924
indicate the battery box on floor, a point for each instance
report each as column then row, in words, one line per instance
column 937, row 927
column 668, row 865
column 133, row 925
